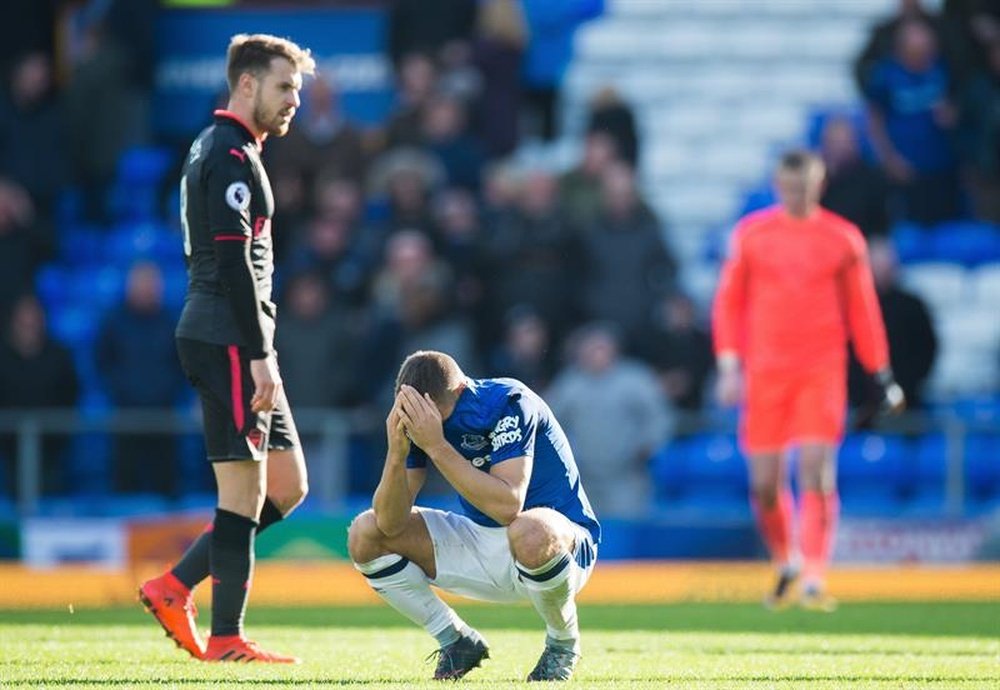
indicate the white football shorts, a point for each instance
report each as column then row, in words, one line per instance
column 475, row 561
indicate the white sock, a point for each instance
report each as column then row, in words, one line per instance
column 404, row 586
column 550, row 593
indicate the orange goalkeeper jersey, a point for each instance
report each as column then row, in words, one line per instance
column 793, row 290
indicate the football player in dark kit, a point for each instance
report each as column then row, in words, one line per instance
column 225, row 342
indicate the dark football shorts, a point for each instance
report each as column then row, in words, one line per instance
column 221, row 375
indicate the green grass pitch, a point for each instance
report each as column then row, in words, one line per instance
column 718, row 645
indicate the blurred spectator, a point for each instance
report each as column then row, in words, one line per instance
column 417, row 77
column 882, row 41
column 404, row 180
column 627, row 265
column 421, row 318
column 445, row 136
column 331, row 248
column 533, row 256
column 137, row 361
column 497, row 53
column 318, row 345
column 32, row 171
column 616, row 417
column 501, row 189
column 911, row 120
column 610, row 114
column 461, row 243
column 679, row 350
column 409, row 258
column 37, row 373
column 580, row 188
column 135, row 349
column 854, row 189
column 980, row 136
column 323, row 140
column 910, row 331
column 100, row 117
column 552, row 25
column 525, row 351
column 32, row 150
column 458, row 76
column 428, row 26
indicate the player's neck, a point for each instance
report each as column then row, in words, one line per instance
column 802, row 213
column 243, row 113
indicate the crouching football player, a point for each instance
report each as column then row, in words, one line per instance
column 526, row 530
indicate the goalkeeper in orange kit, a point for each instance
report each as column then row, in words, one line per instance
column 795, row 287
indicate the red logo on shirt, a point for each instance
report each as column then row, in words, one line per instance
column 239, row 154
column 261, row 227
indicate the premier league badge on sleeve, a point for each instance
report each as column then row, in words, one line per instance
column 238, row 196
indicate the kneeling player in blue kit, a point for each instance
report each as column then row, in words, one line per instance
column 525, row 530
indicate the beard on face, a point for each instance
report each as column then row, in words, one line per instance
column 270, row 121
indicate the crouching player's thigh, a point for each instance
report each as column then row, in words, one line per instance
column 544, row 542
column 366, row 541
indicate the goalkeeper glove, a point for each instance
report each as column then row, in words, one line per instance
column 893, row 401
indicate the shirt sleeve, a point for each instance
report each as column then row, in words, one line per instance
column 417, row 458
column 864, row 316
column 728, row 307
column 228, row 181
column 513, row 435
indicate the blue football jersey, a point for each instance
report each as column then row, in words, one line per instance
column 499, row 419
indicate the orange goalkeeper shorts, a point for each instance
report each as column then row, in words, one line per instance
column 786, row 408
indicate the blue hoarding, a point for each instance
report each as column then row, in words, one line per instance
column 191, row 58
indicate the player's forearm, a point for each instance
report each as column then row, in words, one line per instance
column 393, row 500
column 237, row 278
column 491, row 495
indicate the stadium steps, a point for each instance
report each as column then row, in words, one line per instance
column 717, row 88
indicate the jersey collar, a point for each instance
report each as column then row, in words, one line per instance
column 230, row 115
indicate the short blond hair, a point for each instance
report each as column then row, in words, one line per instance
column 253, row 53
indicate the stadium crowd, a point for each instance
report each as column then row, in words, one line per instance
column 426, row 234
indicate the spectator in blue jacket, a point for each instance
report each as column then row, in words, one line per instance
column 139, row 368
column 551, row 27
column 912, row 119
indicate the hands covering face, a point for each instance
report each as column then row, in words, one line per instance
column 420, row 417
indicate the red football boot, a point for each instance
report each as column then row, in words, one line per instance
column 239, row 648
column 172, row 605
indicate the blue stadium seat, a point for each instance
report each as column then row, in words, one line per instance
column 982, row 471
column 150, row 241
column 135, row 193
column 71, row 324
column 927, row 471
column 53, row 286
column 668, row 469
column 100, row 287
column 872, row 473
column 756, row 199
column 144, row 165
column 966, row 242
column 980, row 409
column 715, row 478
column 913, row 243
column 81, row 244
column 174, row 286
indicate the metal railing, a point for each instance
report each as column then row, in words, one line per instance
column 329, row 431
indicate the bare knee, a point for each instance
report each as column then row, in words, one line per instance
column 364, row 539
column 535, row 541
column 288, row 498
